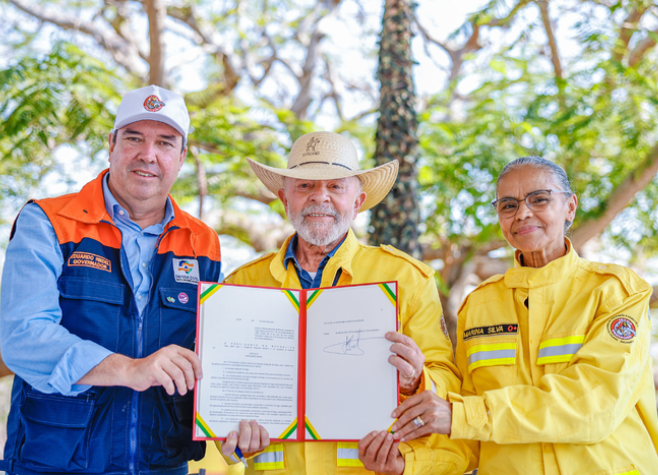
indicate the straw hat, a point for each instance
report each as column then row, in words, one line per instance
column 328, row 156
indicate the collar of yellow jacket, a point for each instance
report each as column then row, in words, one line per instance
column 533, row 277
column 342, row 259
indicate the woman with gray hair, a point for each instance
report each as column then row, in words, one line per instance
column 554, row 354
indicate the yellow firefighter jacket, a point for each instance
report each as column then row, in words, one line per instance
column 557, row 375
column 420, row 318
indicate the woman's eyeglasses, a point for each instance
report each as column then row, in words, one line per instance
column 535, row 201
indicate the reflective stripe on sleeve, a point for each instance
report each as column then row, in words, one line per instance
column 347, row 454
column 559, row 350
column 494, row 354
column 270, row 459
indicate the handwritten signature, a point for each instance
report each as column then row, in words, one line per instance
column 350, row 346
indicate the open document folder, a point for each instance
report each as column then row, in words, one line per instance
column 306, row 364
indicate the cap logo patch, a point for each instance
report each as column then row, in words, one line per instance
column 622, row 328
column 310, row 147
column 153, row 103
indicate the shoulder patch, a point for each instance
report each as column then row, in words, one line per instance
column 622, row 328
column 491, row 280
column 248, row 265
column 426, row 270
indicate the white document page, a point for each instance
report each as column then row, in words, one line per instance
column 248, row 341
column 351, row 388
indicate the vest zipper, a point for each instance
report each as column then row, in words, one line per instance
column 134, row 404
column 134, row 415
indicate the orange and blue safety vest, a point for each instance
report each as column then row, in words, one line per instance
column 115, row 429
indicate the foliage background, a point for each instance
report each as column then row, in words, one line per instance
column 575, row 81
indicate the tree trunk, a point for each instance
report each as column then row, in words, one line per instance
column 156, row 12
column 396, row 219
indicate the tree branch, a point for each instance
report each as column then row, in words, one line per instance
column 653, row 301
column 303, row 100
column 619, row 199
column 332, row 77
column 202, row 182
column 223, row 54
column 552, row 42
column 156, row 13
column 125, row 53
column 637, row 53
column 626, row 33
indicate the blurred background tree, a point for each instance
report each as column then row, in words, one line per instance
column 270, row 74
column 575, row 81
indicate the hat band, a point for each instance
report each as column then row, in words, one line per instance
column 325, row 163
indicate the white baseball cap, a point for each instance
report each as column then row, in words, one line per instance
column 153, row 103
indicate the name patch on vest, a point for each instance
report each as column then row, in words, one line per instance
column 87, row 259
column 186, row 270
column 503, row 329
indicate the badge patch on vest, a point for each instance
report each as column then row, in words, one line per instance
column 504, row 329
column 186, row 271
column 622, row 328
column 87, row 259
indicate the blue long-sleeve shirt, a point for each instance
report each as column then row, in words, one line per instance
column 33, row 344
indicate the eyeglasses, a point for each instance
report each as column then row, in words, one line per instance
column 535, row 201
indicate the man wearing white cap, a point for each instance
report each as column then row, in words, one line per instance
column 102, row 351
column 323, row 190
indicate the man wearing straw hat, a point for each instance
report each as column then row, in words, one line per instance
column 323, row 190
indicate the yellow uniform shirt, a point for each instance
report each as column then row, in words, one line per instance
column 557, row 375
column 420, row 319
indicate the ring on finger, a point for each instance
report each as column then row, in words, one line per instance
column 418, row 422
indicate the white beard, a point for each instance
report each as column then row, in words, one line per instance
column 320, row 234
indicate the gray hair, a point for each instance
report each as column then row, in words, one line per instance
column 557, row 173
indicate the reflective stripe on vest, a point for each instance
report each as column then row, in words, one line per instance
column 270, row 459
column 559, row 350
column 491, row 355
column 347, row 454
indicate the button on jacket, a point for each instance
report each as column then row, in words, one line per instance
column 112, row 430
column 557, row 372
column 420, row 315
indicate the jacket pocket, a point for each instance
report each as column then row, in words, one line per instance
column 177, row 316
column 57, row 433
column 91, row 309
column 171, row 436
column 492, row 362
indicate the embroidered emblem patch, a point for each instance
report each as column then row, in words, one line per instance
column 153, row 103
column 622, row 328
column 444, row 327
column 503, row 329
column 310, row 147
column 186, row 271
column 87, row 259
column 183, row 298
column 171, row 299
